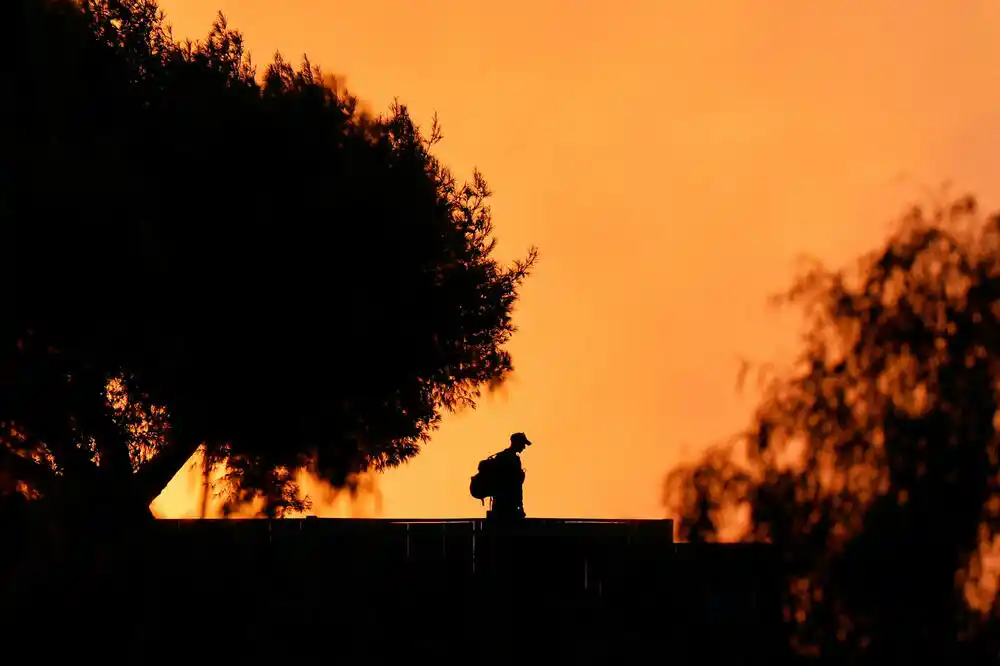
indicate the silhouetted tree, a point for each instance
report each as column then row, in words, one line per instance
column 872, row 465
column 195, row 256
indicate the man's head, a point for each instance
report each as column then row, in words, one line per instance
column 518, row 441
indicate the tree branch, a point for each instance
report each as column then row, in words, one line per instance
column 24, row 469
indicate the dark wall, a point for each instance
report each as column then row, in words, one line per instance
column 384, row 591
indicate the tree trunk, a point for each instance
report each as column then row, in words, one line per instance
column 156, row 473
column 80, row 560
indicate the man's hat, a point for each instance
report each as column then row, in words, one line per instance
column 519, row 437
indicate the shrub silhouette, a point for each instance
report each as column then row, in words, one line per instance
column 872, row 464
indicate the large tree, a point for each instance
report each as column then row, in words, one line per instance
column 872, row 465
column 197, row 255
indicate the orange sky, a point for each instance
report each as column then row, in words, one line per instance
column 671, row 159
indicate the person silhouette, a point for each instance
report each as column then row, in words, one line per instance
column 508, row 494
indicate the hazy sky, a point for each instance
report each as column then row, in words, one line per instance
column 671, row 159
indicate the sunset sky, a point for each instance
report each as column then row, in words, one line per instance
column 671, row 160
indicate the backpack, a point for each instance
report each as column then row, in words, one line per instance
column 483, row 483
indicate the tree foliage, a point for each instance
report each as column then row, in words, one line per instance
column 872, row 465
column 247, row 262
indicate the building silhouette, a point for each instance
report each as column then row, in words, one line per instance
column 463, row 591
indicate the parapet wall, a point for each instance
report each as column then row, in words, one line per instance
column 566, row 556
column 398, row 591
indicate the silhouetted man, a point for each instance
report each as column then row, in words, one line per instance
column 508, row 498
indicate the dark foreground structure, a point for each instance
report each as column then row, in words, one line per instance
column 452, row 591
column 471, row 591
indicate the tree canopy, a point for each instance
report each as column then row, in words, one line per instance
column 195, row 254
column 872, row 464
